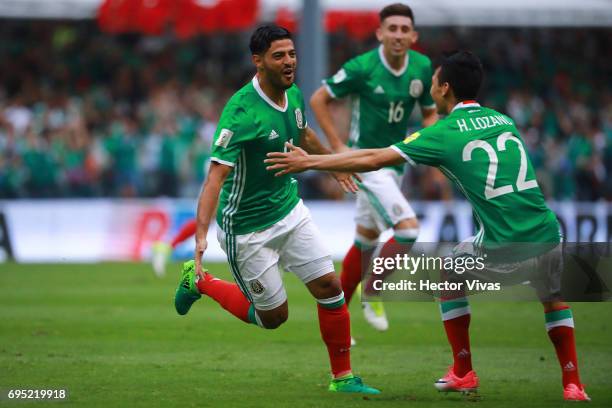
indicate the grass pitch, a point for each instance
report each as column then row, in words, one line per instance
column 109, row 334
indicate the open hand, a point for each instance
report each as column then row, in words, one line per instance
column 347, row 181
column 294, row 160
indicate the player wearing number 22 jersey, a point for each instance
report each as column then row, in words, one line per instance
column 481, row 151
column 384, row 85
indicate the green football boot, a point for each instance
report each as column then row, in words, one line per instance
column 351, row 384
column 187, row 292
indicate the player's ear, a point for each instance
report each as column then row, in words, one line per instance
column 257, row 61
column 379, row 34
column 414, row 36
column 446, row 89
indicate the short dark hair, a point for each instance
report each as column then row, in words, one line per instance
column 264, row 35
column 396, row 9
column 463, row 72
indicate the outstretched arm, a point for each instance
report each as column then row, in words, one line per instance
column 297, row 160
column 311, row 144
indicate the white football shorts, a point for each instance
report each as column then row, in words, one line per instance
column 294, row 242
column 380, row 202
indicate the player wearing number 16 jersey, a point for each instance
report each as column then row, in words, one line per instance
column 384, row 85
column 481, row 151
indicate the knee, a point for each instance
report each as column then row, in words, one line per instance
column 407, row 224
column 326, row 286
column 366, row 234
column 273, row 319
column 554, row 305
column 406, row 231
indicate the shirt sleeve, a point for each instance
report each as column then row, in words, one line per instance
column 234, row 129
column 423, row 147
column 346, row 81
column 425, row 100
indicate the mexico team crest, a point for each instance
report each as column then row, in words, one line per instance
column 416, row 88
column 257, row 287
column 299, row 119
column 397, row 210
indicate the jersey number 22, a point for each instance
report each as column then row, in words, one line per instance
column 490, row 190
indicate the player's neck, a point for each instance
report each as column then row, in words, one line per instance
column 450, row 105
column 395, row 61
column 455, row 104
column 276, row 95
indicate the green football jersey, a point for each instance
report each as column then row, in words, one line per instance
column 481, row 151
column 250, row 126
column 382, row 98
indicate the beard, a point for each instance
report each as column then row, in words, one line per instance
column 278, row 80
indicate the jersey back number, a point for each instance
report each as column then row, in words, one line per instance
column 490, row 190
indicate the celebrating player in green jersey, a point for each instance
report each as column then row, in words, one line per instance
column 384, row 85
column 481, row 151
column 262, row 221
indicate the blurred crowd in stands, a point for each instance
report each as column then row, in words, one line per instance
column 84, row 114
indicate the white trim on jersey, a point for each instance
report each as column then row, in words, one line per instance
column 216, row 159
column 329, row 90
column 268, row 100
column 462, row 105
column 230, row 199
column 354, row 131
column 404, row 155
column 233, row 202
column 397, row 73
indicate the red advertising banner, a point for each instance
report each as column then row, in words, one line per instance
column 185, row 17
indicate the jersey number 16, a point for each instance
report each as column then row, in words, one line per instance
column 396, row 111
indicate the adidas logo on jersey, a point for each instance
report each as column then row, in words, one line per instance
column 379, row 90
column 273, row 135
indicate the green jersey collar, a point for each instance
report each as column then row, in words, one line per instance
column 265, row 97
column 397, row 73
column 466, row 104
